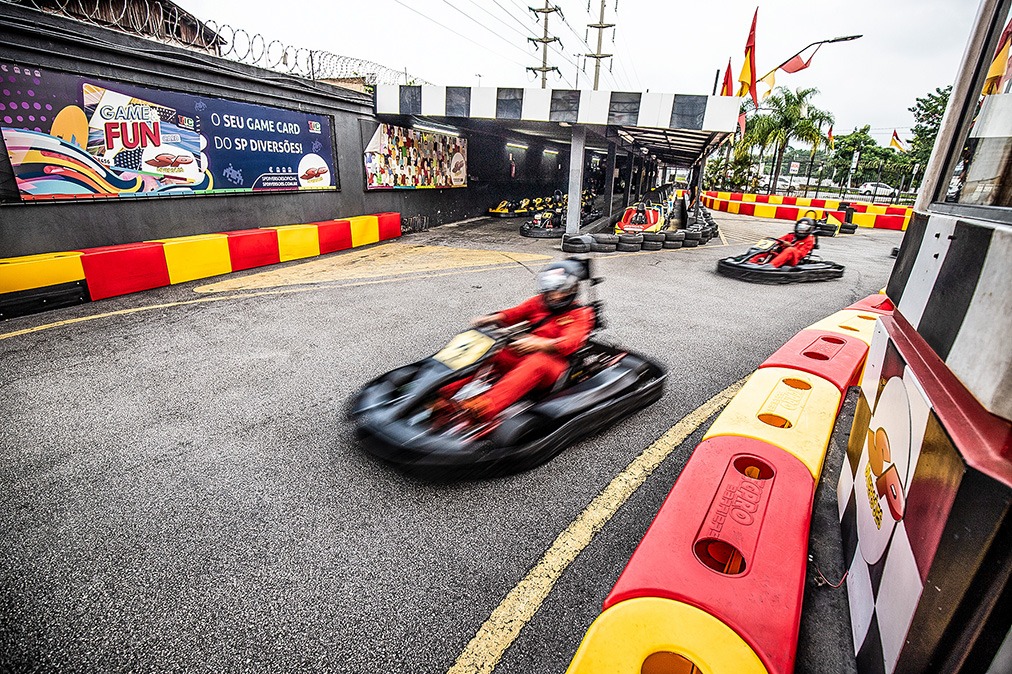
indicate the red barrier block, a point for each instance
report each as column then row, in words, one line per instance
column 790, row 201
column 762, row 198
column 124, row 269
column 877, row 304
column 736, row 196
column 732, row 540
column 249, row 248
column 859, row 207
column 818, row 203
column 746, row 208
column 889, row 222
column 389, row 225
column 897, row 210
column 335, row 235
column 787, row 212
column 839, row 215
column 836, row 358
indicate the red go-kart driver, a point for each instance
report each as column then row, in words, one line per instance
column 797, row 245
column 535, row 361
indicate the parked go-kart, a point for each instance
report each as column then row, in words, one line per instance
column 548, row 224
column 754, row 265
column 639, row 218
column 505, row 209
column 397, row 415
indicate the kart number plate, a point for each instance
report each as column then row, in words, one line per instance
column 464, row 349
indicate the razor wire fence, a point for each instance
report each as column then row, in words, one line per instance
column 166, row 22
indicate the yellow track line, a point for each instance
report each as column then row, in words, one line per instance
column 222, row 298
column 484, row 651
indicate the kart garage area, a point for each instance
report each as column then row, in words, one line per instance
column 184, row 491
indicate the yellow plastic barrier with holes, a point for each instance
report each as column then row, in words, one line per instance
column 38, row 271
column 788, row 408
column 765, row 211
column 864, row 219
column 850, row 322
column 199, row 256
column 364, row 230
column 297, row 241
column 647, row 635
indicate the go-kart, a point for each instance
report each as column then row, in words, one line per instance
column 505, row 209
column 397, row 415
column 754, row 265
column 548, row 224
column 640, row 218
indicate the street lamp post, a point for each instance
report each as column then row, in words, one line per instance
column 817, row 45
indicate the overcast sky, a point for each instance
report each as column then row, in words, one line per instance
column 674, row 46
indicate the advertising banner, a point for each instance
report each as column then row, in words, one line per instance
column 72, row 137
column 399, row 158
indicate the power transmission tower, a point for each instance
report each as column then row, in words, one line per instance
column 544, row 41
column 597, row 56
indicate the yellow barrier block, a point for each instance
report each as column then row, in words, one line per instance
column 199, row 256
column 748, row 197
column 791, row 409
column 733, row 206
column 776, row 199
column 724, row 196
column 38, row 271
column 647, row 634
column 864, row 219
column 833, row 204
column 364, row 230
column 804, row 201
column 877, row 209
column 298, row 241
column 857, row 324
column 765, row 211
column 906, row 219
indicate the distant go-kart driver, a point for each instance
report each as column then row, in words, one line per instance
column 798, row 245
column 536, row 360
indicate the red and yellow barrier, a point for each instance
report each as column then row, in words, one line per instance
column 720, row 572
column 36, row 282
column 779, row 207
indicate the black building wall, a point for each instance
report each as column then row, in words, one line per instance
column 32, row 38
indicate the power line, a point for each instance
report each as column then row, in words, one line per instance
column 474, row 20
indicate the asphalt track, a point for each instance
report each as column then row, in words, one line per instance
column 180, row 489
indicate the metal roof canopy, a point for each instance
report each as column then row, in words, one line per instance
column 675, row 129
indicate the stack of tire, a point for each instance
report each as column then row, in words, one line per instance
column 848, row 228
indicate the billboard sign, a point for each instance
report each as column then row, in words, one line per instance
column 72, row 137
column 401, row 158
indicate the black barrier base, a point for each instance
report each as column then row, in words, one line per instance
column 25, row 302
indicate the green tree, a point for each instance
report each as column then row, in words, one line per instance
column 928, row 111
column 791, row 116
column 894, row 165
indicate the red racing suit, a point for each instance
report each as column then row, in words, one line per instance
column 523, row 373
column 795, row 253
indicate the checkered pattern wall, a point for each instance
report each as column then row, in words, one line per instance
column 953, row 282
column 649, row 110
column 918, row 520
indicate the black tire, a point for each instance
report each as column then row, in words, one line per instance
column 627, row 247
column 541, row 232
column 606, row 239
column 674, row 235
column 654, row 236
column 575, row 247
column 603, row 247
column 635, row 239
column 672, row 245
column 690, row 243
column 693, row 235
column 652, row 245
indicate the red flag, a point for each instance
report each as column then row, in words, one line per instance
column 727, row 89
column 829, row 137
column 797, row 63
column 741, row 124
column 748, row 75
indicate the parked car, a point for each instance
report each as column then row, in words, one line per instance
column 784, row 184
column 878, row 189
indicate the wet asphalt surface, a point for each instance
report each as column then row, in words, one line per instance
column 180, row 489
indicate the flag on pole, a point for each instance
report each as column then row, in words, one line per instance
column 996, row 73
column 832, row 141
column 896, row 142
column 727, row 89
column 797, row 63
column 747, row 77
column 741, row 124
column 770, row 81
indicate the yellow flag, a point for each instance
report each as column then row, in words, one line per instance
column 896, row 142
column 770, row 81
column 997, row 71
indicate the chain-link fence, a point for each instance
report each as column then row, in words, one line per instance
column 168, row 23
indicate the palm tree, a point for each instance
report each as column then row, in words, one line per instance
column 790, row 116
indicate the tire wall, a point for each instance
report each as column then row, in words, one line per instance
column 31, row 38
